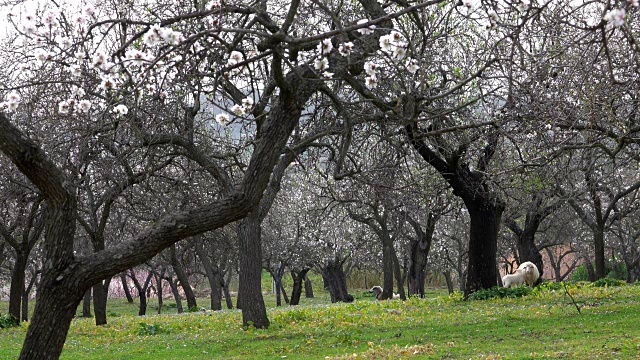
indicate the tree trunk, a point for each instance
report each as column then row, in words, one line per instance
column 483, row 240
column 335, row 276
column 225, row 288
column 590, row 271
column 176, row 294
column 387, row 267
column 159, row 292
column 125, row 287
column 100, row 292
column 213, row 275
column 447, row 277
column 398, row 275
column 598, row 243
column 418, row 253
column 308, row 287
column 298, row 279
column 183, row 278
column 17, row 283
column 254, row 312
column 25, row 297
column 55, row 307
column 86, row 304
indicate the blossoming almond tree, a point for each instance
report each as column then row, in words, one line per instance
column 158, row 77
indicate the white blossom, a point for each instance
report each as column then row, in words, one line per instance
column 325, row 46
column 322, row 64
column 386, row 43
column 327, row 74
column 370, row 68
column 121, row 110
column 99, row 59
column 523, row 5
column 615, row 17
column 371, row 81
column 80, row 19
column 412, row 66
column 64, row 42
column 84, row 106
column 399, row 52
column 42, row 55
column 237, row 109
column 634, row 2
column 345, row 48
column 64, row 107
column 234, row 58
column 29, row 27
column 247, row 103
column 365, row 30
column 13, row 97
column 152, row 37
column 76, row 71
column 89, row 10
column 108, row 83
column 222, row 119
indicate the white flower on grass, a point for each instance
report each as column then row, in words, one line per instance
column 222, row 119
column 370, row 68
column 365, row 30
column 345, row 48
column 64, row 107
column 325, row 46
column 237, row 109
column 234, row 58
column 412, row 66
column 321, row 64
column 615, row 17
column 121, row 110
column 328, row 75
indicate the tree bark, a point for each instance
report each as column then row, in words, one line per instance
column 17, row 283
column 254, row 312
column 100, row 292
column 298, row 279
column 183, row 278
column 176, row 294
column 308, row 287
column 213, row 275
column 125, row 287
column 336, row 278
column 86, row 304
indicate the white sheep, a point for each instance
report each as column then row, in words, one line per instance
column 531, row 273
column 515, row 279
column 526, row 273
column 378, row 291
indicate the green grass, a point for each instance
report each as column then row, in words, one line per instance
column 544, row 324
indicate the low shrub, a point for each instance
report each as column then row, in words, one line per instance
column 145, row 329
column 8, row 320
column 607, row 282
column 500, row 292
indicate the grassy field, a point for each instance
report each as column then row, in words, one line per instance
column 544, row 324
